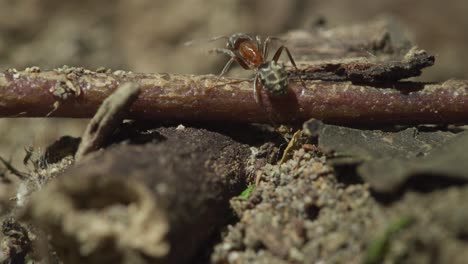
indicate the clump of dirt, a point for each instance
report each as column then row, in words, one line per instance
column 306, row 211
column 300, row 212
column 438, row 231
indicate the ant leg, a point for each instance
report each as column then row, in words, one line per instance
column 256, row 90
column 228, row 52
column 191, row 42
column 218, row 38
column 259, row 41
column 231, row 54
column 267, row 43
column 225, row 69
column 278, row 54
column 228, row 64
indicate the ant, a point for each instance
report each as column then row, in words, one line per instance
column 251, row 54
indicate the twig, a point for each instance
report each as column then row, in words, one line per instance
column 108, row 116
column 191, row 98
column 13, row 170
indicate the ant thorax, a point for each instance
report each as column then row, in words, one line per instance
column 274, row 78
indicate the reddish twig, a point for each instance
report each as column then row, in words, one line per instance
column 77, row 93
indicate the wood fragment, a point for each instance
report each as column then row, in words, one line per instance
column 292, row 144
column 380, row 40
column 109, row 115
column 363, row 70
column 377, row 51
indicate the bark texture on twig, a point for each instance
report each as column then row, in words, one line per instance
column 161, row 201
column 109, row 115
column 193, row 98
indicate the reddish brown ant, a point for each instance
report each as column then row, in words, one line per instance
column 251, row 54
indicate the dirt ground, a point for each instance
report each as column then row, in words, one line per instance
column 317, row 207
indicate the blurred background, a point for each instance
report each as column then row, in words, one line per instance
column 149, row 36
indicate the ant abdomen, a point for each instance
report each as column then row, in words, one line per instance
column 274, row 78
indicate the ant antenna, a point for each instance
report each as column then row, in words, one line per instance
column 192, row 42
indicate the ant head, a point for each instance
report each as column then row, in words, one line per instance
column 274, row 77
column 236, row 39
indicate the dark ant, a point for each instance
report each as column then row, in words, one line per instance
column 251, row 54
